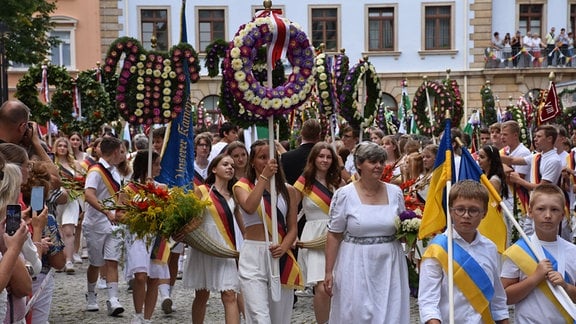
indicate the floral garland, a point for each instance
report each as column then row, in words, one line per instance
column 349, row 99
column 239, row 62
column 215, row 51
column 324, row 84
column 441, row 101
column 457, row 107
column 151, row 86
column 341, row 66
column 59, row 110
column 568, row 116
column 489, row 112
column 97, row 108
column 518, row 116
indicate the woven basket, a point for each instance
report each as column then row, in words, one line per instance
column 197, row 238
column 317, row 244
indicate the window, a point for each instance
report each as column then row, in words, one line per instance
column 380, row 29
column 154, row 22
column 573, row 17
column 61, row 54
column 211, row 112
column 325, row 28
column 438, row 27
column 211, row 26
column 530, row 18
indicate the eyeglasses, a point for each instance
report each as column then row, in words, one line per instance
column 202, row 145
column 472, row 212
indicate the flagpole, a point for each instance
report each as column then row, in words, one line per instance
column 363, row 100
column 449, row 234
column 430, row 113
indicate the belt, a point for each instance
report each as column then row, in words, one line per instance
column 368, row 240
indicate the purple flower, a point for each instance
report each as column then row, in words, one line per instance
column 407, row 214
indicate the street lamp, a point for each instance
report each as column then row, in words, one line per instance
column 3, row 63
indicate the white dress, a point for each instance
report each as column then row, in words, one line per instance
column 312, row 261
column 370, row 280
column 203, row 271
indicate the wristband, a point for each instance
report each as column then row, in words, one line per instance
column 264, row 178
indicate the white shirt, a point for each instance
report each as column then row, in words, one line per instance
column 536, row 307
column 433, row 289
column 93, row 217
column 550, row 166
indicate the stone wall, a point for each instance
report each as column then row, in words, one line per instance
column 109, row 25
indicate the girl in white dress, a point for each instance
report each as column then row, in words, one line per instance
column 321, row 177
column 204, row 272
column 366, row 271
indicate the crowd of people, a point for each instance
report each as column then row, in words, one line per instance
column 337, row 203
column 531, row 50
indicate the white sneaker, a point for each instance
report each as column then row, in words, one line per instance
column 69, row 268
column 307, row 292
column 137, row 319
column 77, row 259
column 92, row 302
column 101, row 284
column 114, row 307
column 167, row 305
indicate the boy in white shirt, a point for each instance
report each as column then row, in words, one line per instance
column 480, row 300
column 524, row 279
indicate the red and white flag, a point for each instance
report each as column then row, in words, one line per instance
column 551, row 107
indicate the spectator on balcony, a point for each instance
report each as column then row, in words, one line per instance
column 497, row 45
column 516, row 45
column 526, row 47
column 550, row 46
column 506, row 50
column 536, row 50
column 562, row 43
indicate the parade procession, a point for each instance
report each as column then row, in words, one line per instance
column 322, row 161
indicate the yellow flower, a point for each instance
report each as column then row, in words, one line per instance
column 138, row 112
column 139, row 96
column 166, row 98
column 167, row 113
column 149, row 71
column 140, row 80
column 320, row 69
column 323, row 77
column 166, row 105
column 323, row 86
column 142, row 58
column 132, row 69
column 167, row 83
column 167, row 62
column 157, row 73
column 140, row 87
column 166, row 92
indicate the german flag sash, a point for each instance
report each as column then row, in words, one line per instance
column 87, row 163
column 222, row 215
column 522, row 256
column 198, row 179
column 161, row 248
column 469, row 276
column 290, row 275
column 65, row 172
column 319, row 194
column 111, row 184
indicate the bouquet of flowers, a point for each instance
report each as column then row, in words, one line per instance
column 74, row 185
column 407, row 226
column 150, row 210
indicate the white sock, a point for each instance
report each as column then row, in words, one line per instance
column 112, row 289
column 171, row 290
column 91, row 287
column 164, row 290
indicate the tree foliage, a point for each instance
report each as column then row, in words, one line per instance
column 28, row 23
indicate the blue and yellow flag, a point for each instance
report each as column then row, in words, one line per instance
column 434, row 216
column 178, row 164
column 492, row 226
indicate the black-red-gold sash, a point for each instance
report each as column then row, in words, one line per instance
column 87, row 163
column 318, row 193
column 198, row 179
column 221, row 213
column 107, row 177
column 66, row 173
column 290, row 275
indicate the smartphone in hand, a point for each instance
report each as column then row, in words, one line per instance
column 13, row 218
column 37, row 199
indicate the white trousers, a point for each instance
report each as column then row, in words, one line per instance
column 41, row 308
column 253, row 272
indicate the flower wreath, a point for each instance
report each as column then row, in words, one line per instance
column 97, row 107
column 458, row 109
column 324, row 84
column 215, row 51
column 349, row 98
column 489, row 112
column 239, row 62
column 59, row 110
column 151, row 86
column 518, row 116
column 341, row 66
column 527, row 110
column 569, row 113
column 441, row 100
column 386, row 121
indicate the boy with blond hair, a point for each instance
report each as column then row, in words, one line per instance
column 524, row 278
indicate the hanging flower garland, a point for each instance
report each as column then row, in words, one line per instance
column 341, row 67
column 324, row 84
column 59, row 109
column 240, row 78
column 151, row 86
column 214, row 52
column 489, row 112
column 440, row 100
column 349, row 99
column 96, row 106
column 518, row 116
column 457, row 106
column 568, row 115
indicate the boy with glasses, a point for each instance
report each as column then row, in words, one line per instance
column 478, row 293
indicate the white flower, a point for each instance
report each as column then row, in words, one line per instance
column 276, row 103
column 323, row 77
column 142, row 57
column 296, row 70
column 235, row 52
column 237, row 64
column 166, row 98
column 167, row 69
column 265, row 103
column 248, row 95
column 286, row 102
column 239, row 76
column 295, row 99
column 320, row 66
column 256, row 101
column 323, row 86
column 238, row 41
column 243, row 86
column 325, row 95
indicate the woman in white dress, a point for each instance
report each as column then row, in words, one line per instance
column 204, row 272
column 366, row 271
column 67, row 214
column 321, row 177
column 146, row 269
